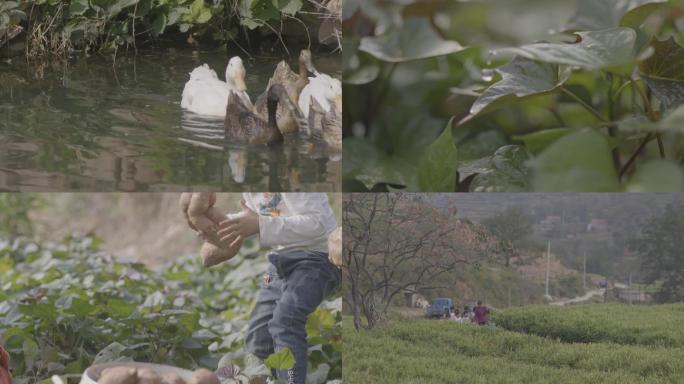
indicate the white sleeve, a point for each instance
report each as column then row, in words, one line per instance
column 311, row 217
column 249, row 201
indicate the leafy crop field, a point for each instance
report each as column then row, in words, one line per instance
column 429, row 351
column 659, row 325
column 66, row 306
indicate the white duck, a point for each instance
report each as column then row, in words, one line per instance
column 326, row 90
column 206, row 94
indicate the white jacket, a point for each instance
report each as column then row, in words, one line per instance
column 293, row 221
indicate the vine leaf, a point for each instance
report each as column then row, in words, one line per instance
column 663, row 71
column 415, row 39
column 371, row 166
column 610, row 49
column 657, row 176
column 289, row 7
column 505, row 171
column 437, row 168
column 578, row 162
column 281, row 360
column 592, row 15
column 362, row 75
column 536, row 142
column 673, row 121
column 520, row 78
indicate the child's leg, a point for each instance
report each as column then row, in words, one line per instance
column 258, row 340
column 308, row 277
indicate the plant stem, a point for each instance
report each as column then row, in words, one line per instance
column 385, row 86
column 586, row 106
column 661, row 147
column 651, row 115
column 636, row 153
column 386, row 82
column 644, row 98
column 612, row 128
column 557, row 115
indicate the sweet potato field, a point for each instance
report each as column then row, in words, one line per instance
column 564, row 96
column 66, row 306
column 644, row 346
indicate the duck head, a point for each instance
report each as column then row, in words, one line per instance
column 282, row 71
column 235, row 74
column 277, row 95
column 305, row 62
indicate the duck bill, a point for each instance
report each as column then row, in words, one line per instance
column 338, row 104
column 310, row 67
column 240, row 83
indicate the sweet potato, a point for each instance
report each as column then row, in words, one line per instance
column 203, row 217
column 118, row 375
column 200, row 203
column 172, row 378
column 185, row 205
column 204, row 376
column 335, row 247
column 148, row 376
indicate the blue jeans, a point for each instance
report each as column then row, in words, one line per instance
column 295, row 284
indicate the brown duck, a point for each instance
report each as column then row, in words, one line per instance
column 293, row 84
column 243, row 125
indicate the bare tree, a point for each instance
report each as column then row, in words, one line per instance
column 394, row 244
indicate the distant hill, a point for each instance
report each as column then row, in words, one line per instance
column 477, row 206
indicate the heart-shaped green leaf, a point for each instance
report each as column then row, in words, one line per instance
column 538, row 141
column 437, row 168
column 592, row 15
column 281, row 360
column 579, row 162
column 362, row 75
column 505, row 171
column 657, row 176
column 520, row 78
column 371, row 166
column 663, row 71
column 673, row 121
column 606, row 49
column 415, row 39
column 289, row 7
column 78, row 7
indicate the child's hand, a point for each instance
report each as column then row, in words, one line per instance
column 242, row 226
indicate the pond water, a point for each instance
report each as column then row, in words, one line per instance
column 94, row 126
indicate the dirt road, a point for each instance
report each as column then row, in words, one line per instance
column 586, row 297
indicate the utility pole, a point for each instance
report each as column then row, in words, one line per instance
column 629, row 289
column 548, row 266
column 584, row 273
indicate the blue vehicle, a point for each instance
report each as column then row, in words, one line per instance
column 439, row 307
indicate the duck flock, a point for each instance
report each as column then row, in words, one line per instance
column 306, row 102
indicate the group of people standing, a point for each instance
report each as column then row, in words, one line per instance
column 479, row 314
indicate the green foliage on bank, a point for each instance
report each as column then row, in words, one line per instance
column 62, row 25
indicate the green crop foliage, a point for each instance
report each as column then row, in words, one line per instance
column 435, row 351
column 580, row 96
column 57, row 27
column 594, row 323
column 66, row 306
